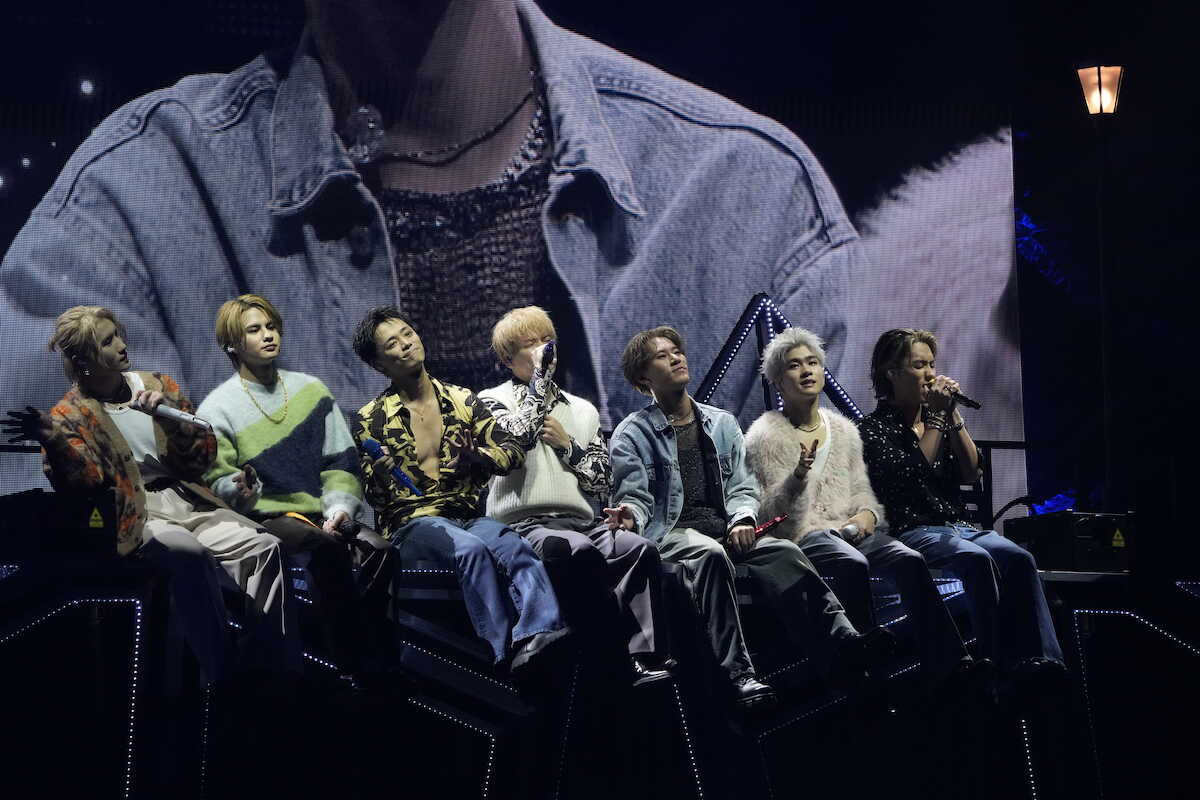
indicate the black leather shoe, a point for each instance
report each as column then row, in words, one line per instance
column 644, row 673
column 752, row 694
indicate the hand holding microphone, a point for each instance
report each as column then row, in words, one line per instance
column 945, row 393
column 375, row 451
column 151, row 402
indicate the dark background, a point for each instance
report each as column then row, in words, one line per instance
column 922, row 79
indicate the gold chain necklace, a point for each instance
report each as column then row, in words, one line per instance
column 261, row 410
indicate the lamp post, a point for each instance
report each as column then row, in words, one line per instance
column 1101, row 87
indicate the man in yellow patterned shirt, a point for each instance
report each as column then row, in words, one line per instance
column 435, row 447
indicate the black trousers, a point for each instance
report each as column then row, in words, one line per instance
column 336, row 594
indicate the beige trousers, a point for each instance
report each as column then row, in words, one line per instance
column 252, row 561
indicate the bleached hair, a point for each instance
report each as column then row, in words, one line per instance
column 775, row 357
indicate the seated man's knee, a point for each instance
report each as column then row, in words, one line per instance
column 973, row 563
column 1014, row 557
column 910, row 562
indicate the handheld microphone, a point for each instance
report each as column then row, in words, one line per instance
column 375, row 450
column 167, row 412
column 765, row 528
column 547, row 355
column 963, row 400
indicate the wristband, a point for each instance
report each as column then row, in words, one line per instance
column 937, row 421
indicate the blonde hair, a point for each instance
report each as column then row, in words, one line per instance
column 528, row 322
column 230, row 333
column 75, row 336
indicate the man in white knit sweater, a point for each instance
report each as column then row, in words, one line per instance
column 546, row 499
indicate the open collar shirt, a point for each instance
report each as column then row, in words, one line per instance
column 466, row 425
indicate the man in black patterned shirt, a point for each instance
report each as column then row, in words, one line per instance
column 918, row 452
column 547, row 498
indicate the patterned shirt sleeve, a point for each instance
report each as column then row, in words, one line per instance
column 524, row 424
column 494, row 446
column 589, row 464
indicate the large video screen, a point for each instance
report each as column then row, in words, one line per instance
column 669, row 161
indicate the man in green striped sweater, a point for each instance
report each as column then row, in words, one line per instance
column 285, row 458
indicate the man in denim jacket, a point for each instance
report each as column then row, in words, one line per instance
column 681, row 480
column 659, row 191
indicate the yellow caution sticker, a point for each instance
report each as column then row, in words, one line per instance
column 95, row 520
column 1118, row 539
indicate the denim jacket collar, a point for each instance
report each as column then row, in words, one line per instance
column 307, row 155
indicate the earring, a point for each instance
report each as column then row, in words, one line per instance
column 229, row 350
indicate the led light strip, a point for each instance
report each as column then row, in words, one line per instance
column 135, row 665
column 840, row 698
column 773, row 322
column 1087, row 699
column 464, row 668
column 687, row 740
column 566, row 730
column 1033, row 793
column 487, row 775
column 204, row 741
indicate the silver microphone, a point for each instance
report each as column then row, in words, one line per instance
column 167, row 412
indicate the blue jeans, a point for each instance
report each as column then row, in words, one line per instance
column 851, row 567
column 1004, row 592
column 505, row 587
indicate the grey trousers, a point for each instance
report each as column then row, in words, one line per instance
column 789, row 584
column 811, row 614
column 708, row 575
column 621, row 562
column 851, row 567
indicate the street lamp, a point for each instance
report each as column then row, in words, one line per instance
column 1101, row 88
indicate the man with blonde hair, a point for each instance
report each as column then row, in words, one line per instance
column 102, row 435
column 548, row 499
column 285, row 458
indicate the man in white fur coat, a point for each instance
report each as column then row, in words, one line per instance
column 809, row 462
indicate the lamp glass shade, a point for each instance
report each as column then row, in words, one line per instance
column 1101, row 88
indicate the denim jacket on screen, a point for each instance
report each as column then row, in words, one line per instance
column 667, row 203
column 645, row 468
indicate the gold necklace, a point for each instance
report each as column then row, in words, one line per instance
column 261, row 410
column 808, row 430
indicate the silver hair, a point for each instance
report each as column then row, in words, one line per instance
column 774, row 360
